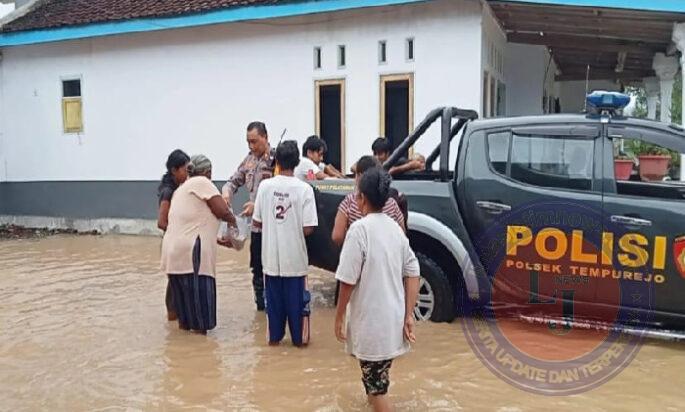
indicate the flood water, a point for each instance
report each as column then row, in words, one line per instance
column 84, row 328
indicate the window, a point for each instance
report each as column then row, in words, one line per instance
column 644, row 168
column 552, row 161
column 410, row 49
column 72, row 109
column 382, row 52
column 498, row 151
column 341, row 56
column 485, row 91
column 501, row 99
column 317, row 57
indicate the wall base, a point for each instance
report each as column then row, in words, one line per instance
column 143, row 227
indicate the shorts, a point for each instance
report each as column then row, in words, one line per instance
column 376, row 376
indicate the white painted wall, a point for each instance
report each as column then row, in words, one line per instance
column 197, row 89
column 572, row 93
column 493, row 60
column 525, row 73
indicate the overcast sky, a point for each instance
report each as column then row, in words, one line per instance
column 6, row 8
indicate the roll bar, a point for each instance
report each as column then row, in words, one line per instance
column 447, row 133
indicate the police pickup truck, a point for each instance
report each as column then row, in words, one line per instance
column 533, row 215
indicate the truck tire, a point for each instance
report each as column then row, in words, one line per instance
column 436, row 296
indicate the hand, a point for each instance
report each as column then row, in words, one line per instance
column 409, row 329
column 248, row 209
column 224, row 241
column 339, row 328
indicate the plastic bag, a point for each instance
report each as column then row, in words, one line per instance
column 237, row 234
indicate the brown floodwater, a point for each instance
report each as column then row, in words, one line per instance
column 83, row 328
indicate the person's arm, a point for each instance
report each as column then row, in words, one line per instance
column 340, row 228
column 411, row 273
column 220, row 209
column 163, row 217
column 235, row 182
column 320, row 175
column 404, row 168
column 348, row 273
column 310, row 219
column 343, row 299
column 331, row 171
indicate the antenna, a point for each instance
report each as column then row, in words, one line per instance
column 282, row 134
column 587, row 85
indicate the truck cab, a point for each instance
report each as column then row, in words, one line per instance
column 537, row 210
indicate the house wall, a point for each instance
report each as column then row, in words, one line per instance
column 572, row 93
column 197, row 89
column 530, row 73
column 493, row 66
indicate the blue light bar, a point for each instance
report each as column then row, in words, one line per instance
column 604, row 100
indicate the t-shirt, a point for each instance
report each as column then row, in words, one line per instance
column 350, row 208
column 190, row 217
column 307, row 169
column 285, row 205
column 375, row 258
column 166, row 188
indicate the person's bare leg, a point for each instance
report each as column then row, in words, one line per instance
column 380, row 403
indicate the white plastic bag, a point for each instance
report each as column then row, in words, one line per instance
column 237, row 234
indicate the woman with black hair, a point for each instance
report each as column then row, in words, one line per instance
column 379, row 278
column 176, row 173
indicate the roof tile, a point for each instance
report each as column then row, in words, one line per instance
column 60, row 13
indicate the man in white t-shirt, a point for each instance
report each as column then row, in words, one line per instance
column 285, row 210
column 313, row 151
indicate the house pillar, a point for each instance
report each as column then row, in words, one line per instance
column 678, row 38
column 666, row 67
column 652, row 91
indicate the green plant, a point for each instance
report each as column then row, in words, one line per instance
column 635, row 148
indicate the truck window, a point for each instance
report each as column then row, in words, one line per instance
column 498, row 151
column 553, row 161
column 646, row 169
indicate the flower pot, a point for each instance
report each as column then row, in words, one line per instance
column 653, row 167
column 623, row 168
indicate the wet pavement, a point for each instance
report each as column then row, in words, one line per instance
column 84, row 328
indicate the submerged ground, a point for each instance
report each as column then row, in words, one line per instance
column 83, row 328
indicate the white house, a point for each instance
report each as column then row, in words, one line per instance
column 93, row 96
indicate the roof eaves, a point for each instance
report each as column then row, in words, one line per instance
column 235, row 14
column 666, row 6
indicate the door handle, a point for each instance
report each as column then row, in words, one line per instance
column 493, row 207
column 630, row 221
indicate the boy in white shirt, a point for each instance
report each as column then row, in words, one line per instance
column 285, row 210
column 379, row 277
column 313, row 151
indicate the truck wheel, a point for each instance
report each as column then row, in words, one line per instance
column 436, row 299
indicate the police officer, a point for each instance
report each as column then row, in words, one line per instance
column 257, row 166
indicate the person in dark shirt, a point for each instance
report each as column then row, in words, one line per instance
column 382, row 149
column 176, row 173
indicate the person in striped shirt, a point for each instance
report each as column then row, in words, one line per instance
column 348, row 211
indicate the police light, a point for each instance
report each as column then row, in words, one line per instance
column 603, row 100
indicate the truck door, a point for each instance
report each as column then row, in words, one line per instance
column 645, row 210
column 528, row 181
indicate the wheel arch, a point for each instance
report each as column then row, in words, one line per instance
column 438, row 240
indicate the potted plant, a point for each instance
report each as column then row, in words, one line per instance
column 653, row 160
column 623, row 164
column 623, row 167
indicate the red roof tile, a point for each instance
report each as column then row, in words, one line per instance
column 59, row 13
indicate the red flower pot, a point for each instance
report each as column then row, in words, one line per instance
column 653, row 167
column 623, row 168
